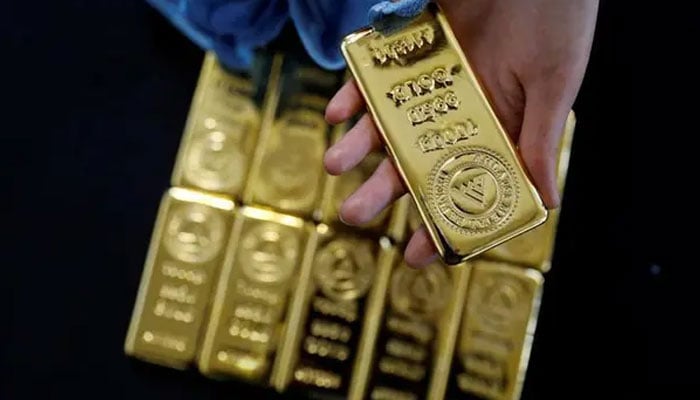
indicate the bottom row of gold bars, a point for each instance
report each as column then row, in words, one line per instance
column 250, row 275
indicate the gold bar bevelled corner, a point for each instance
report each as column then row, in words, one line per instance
column 452, row 152
column 223, row 126
column 250, row 307
column 497, row 330
column 186, row 252
column 287, row 170
column 535, row 248
column 322, row 352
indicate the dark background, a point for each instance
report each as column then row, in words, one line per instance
column 95, row 96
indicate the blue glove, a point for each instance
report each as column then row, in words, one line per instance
column 235, row 28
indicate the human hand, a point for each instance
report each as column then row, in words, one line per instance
column 530, row 56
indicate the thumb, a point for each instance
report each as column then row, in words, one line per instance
column 543, row 126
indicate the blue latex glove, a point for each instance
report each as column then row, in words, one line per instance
column 235, row 28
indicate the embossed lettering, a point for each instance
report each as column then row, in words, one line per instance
column 164, row 340
column 345, row 310
column 330, row 330
column 179, row 294
column 249, row 330
column 167, row 309
column 439, row 139
column 400, row 49
column 326, row 348
column 317, row 377
column 403, row 349
column 256, row 293
column 402, row 369
column 433, row 108
column 255, row 312
column 422, row 85
column 422, row 332
column 194, row 277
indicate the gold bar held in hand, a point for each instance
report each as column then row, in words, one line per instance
column 250, row 307
column 452, row 152
column 182, row 266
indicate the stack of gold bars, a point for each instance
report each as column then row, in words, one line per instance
column 250, row 275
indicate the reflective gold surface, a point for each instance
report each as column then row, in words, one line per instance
column 413, row 316
column 452, row 152
column 334, row 302
column 186, row 252
column 535, row 248
column 312, row 307
column 250, row 304
column 497, row 331
column 288, row 170
column 222, row 128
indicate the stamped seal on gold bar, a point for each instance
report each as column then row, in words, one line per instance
column 249, row 310
column 187, row 250
column 410, row 329
column 333, row 300
column 498, row 326
column 452, row 152
column 287, row 169
column 223, row 125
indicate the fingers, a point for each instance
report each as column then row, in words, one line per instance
column 420, row 250
column 346, row 103
column 540, row 137
column 353, row 147
column 381, row 189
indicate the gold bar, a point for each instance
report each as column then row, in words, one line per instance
column 405, row 221
column 287, row 173
column 449, row 328
column 334, row 301
column 398, row 228
column 223, row 125
column 414, row 340
column 250, row 307
column 535, row 248
column 459, row 164
column 372, row 320
column 186, row 251
column 497, row 331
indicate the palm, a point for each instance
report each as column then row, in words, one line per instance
column 530, row 56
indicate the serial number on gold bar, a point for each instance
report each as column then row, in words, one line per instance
column 251, row 300
column 497, row 330
column 535, row 248
column 222, row 129
column 448, row 145
column 187, row 250
column 416, row 304
column 344, row 269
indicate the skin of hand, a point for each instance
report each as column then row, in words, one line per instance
column 530, row 57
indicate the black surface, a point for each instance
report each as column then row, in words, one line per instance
column 95, row 98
